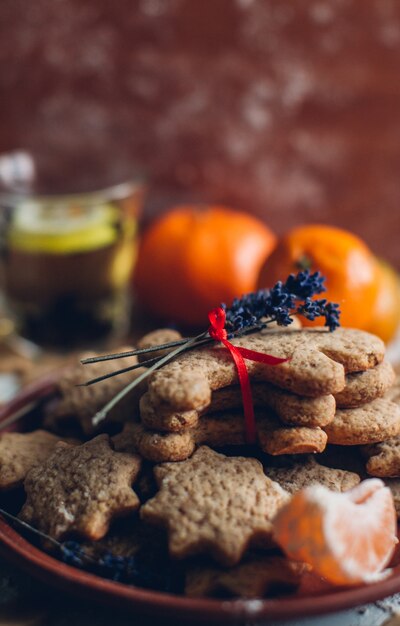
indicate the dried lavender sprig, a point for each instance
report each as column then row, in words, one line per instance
column 72, row 552
column 148, row 362
column 93, row 381
column 102, row 414
column 277, row 303
column 162, row 346
column 281, row 302
column 120, row 355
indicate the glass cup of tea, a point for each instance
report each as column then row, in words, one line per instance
column 66, row 262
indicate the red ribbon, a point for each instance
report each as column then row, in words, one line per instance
column 218, row 332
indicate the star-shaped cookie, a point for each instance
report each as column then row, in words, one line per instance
column 81, row 489
column 19, row 452
column 215, row 504
column 300, row 475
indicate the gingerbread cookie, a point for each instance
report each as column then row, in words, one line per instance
column 214, row 504
column 363, row 387
column 255, row 578
column 370, row 423
column 81, row 489
column 276, row 439
column 82, row 403
column 317, row 366
column 218, row 430
column 310, row 472
column 383, row 458
column 19, row 452
column 291, row 409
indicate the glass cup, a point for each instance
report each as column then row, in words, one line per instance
column 66, row 262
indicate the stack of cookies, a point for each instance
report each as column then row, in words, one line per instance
column 331, row 390
column 191, row 497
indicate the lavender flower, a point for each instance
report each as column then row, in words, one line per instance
column 305, row 285
column 125, row 569
column 332, row 315
column 279, row 304
column 72, row 553
column 119, row 568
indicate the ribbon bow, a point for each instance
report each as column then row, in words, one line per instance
column 218, row 332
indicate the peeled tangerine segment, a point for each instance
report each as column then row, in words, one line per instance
column 348, row 538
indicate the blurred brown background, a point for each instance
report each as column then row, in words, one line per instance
column 287, row 108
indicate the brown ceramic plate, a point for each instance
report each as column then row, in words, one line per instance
column 314, row 597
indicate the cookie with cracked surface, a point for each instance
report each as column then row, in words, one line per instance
column 363, row 387
column 82, row 403
column 377, row 421
column 214, row 504
column 310, row 472
column 80, row 489
column 19, row 452
column 291, row 409
column 317, row 366
column 218, row 430
column 257, row 577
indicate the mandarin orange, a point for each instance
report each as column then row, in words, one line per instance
column 386, row 310
column 347, row 538
column 350, row 269
column 193, row 258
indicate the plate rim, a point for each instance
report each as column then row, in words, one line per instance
column 14, row 547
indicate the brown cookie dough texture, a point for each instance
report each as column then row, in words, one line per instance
column 254, row 578
column 364, row 387
column 370, row 423
column 19, row 452
column 300, row 475
column 394, row 392
column 383, row 458
column 217, row 430
column 81, row 489
column 214, row 504
column 82, row 403
column 290, row 408
column 317, row 366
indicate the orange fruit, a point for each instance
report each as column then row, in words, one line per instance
column 193, row 258
column 347, row 538
column 346, row 262
column 386, row 310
